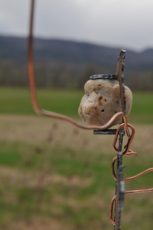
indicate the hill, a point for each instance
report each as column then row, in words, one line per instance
column 14, row 48
column 62, row 63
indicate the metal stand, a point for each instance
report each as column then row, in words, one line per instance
column 105, row 132
column 120, row 185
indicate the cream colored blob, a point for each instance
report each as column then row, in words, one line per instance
column 102, row 100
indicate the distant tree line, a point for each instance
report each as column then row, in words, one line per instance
column 60, row 75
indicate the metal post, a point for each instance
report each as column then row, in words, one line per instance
column 120, row 186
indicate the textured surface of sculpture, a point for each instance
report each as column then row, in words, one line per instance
column 102, row 100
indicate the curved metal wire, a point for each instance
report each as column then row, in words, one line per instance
column 32, row 85
column 127, row 152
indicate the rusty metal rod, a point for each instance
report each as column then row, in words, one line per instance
column 32, row 84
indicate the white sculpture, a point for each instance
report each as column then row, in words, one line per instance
column 102, row 100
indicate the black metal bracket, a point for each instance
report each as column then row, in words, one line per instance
column 103, row 77
column 105, row 132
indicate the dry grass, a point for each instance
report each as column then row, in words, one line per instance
column 32, row 129
column 71, row 187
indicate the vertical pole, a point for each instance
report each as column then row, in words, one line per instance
column 120, row 75
column 120, row 186
column 31, row 21
column 31, row 69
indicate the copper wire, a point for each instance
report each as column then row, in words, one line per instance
column 127, row 192
column 127, row 152
column 130, row 132
column 139, row 174
column 32, row 84
column 112, row 210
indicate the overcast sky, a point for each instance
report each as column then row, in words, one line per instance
column 122, row 23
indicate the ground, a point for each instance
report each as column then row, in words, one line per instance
column 54, row 176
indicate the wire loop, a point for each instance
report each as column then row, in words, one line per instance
column 127, row 152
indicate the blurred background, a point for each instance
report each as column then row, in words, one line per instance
column 54, row 176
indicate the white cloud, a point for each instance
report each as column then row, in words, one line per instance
column 112, row 22
column 13, row 16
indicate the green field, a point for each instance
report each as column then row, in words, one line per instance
column 55, row 177
column 17, row 101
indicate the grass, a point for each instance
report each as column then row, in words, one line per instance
column 78, row 191
column 65, row 182
column 17, row 101
column 142, row 110
column 74, row 179
column 56, row 177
